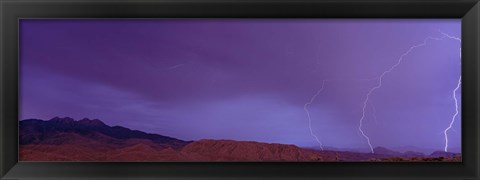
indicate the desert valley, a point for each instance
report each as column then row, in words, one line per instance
column 65, row 139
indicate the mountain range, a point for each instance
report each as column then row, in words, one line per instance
column 66, row 139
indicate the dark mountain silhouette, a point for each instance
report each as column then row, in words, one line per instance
column 65, row 139
column 414, row 149
column 34, row 131
column 341, row 149
column 385, row 151
column 443, row 154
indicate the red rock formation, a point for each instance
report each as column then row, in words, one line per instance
column 228, row 150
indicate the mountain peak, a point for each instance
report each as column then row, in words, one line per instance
column 62, row 119
column 91, row 122
column 70, row 121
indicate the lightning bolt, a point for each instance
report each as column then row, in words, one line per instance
column 455, row 115
column 380, row 80
column 454, row 96
column 312, row 99
column 305, row 107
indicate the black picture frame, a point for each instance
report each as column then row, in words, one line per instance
column 12, row 10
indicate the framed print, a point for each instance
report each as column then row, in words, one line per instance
column 239, row 89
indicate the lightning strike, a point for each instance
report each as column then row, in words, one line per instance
column 455, row 115
column 448, row 36
column 305, row 107
column 380, row 80
column 445, row 132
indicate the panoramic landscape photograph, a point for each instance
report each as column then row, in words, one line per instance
column 240, row 90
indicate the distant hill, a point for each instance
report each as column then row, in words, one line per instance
column 443, row 154
column 385, row 151
column 66, row 139
column 228, row 150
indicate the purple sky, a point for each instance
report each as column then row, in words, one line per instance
column 247, row 79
